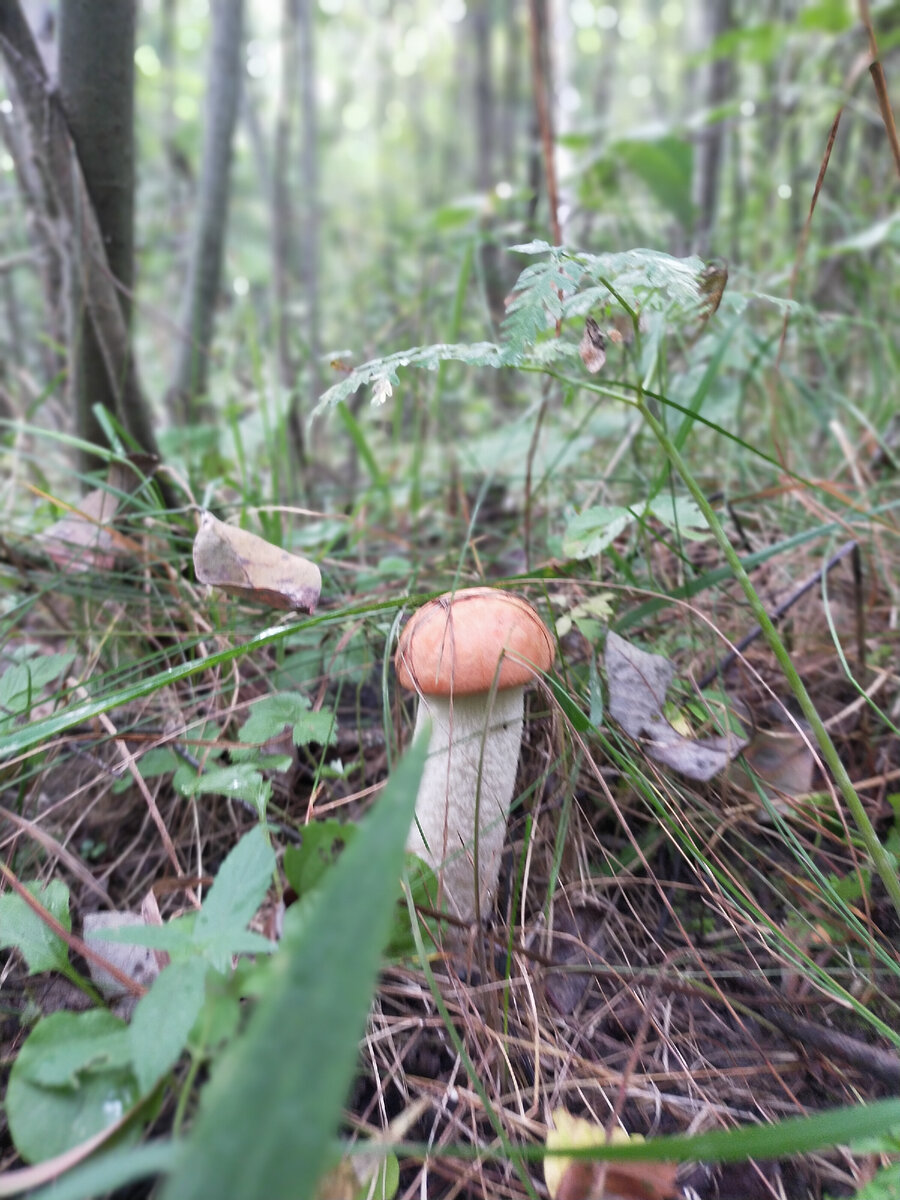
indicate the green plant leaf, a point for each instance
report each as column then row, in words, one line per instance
column 269, row 715
column 21, row 927
column 323, row 842
column 538, row 300
column 70, row 1080
column 681, row 514
column 481, row 354
column 319, row 728
column 164, row 1018
column 423, row 887
column 240, row 887
column 21, row 684
column 593, row 530
column 665, row 165
column 268, row 1116
column 242, row 780
column 219, row 930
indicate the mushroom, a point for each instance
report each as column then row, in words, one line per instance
column 468, row 655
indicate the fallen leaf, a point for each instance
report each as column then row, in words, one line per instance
column 83, row 539
column 138, row 962
column 587, row 1179
column 242, row 564
column 783, row 762
column 638, row 682
column 577, row 942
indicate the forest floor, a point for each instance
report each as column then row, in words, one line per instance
column 656, row 955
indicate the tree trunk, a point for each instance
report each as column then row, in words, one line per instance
column 720, row 83
column 284, row 250
column 485, row 113
column 96, row 83
column 79, row 234
column 42, row 223
column 481, row 40
column 311, row 222
column 205, row 266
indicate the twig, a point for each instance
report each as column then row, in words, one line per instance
column 884, row 1065
column 777, row 613
column 877, row 72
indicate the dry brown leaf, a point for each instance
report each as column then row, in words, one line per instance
column 618, row 1181
column 638, row 682
column 783, row 760
column 586, row 1179
column 242, row 564
column 137, row 962
column 82, row 540
column 711, row 284
column 593, row 346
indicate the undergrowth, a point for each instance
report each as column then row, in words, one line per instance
column 669, row 956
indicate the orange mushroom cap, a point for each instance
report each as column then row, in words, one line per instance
column 462, row 642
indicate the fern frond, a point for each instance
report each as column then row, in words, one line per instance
column 538, row 298
column 475, row 354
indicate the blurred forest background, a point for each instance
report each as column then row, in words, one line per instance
column 385, row 156
column 597, row 300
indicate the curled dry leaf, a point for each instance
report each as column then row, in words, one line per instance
column 242, row 564
column 138, row 962
column 711, row 284
column 638, row 682
column 593, row 346
column 586, row 1179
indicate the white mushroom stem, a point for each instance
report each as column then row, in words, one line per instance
column 468, row 784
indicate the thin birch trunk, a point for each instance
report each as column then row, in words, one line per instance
column 191, row 373
column 311, row 221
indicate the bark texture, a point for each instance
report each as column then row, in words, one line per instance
column 96, row 83
column 205, row 267
column 720, row 19
column 311, row 223
column 79, row 235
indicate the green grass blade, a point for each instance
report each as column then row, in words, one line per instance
column 268, row 1119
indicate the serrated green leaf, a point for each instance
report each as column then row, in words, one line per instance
column 240, row 887
column 163, row 1020
column 429, row 358
column 268, row 1117
column 268, row 716
column 219, row 930
column 176, row 936
column 68, row 1082
column 242, row 780
column 319, row 728
column 21, row 927
column 538, row 300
